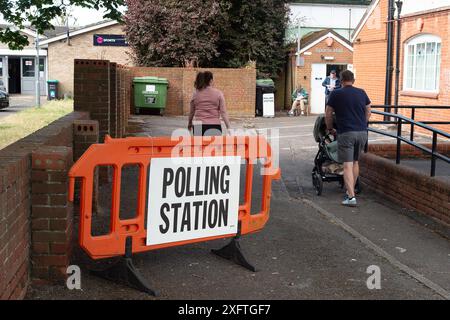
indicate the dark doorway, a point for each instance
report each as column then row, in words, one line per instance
column 14, row 75
column 338, row 67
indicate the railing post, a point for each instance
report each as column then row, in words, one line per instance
column 399, row 134
column 413, row 116
column 433, row 155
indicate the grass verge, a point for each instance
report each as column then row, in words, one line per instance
column 24, row 123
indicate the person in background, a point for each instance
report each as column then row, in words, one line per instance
column 207, row 107
column 300, row 97
column 331, row 83
column 352, row 108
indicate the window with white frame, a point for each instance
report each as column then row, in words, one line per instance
column 422, row 63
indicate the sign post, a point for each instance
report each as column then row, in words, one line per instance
column 36, row 75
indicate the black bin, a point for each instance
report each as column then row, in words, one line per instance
column 262, row 86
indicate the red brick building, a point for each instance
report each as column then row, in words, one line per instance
column 424, row 55
column 321, row 52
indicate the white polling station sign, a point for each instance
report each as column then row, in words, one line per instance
column 192, row 198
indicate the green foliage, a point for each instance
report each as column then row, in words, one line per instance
column 39, row 13
column 172, row 32
column 255, row 32
column 209, row 33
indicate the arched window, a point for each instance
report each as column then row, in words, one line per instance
column 422, row 63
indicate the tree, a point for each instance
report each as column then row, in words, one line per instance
column 172, row 32
column 39, row 14
column 67, row 18
column 255, row 33
column 210, row 33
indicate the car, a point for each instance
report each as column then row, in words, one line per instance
column 4, row 99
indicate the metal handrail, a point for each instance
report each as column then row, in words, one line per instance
column 402, row 119
column 410, row 107
column 413, row 115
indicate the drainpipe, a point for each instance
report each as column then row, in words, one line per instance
column 399, row 4
column 389, row 66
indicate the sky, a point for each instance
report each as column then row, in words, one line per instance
column 83, row 16
column 86, row 16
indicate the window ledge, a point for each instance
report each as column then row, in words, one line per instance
column 419, row 94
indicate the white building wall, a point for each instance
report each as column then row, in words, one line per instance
column 327, row 16
column 414, row 6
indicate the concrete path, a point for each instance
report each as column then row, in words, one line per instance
column 312, row 248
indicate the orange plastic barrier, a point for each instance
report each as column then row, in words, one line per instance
column 139, row 151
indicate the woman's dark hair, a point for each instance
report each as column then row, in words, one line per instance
column 203, row 80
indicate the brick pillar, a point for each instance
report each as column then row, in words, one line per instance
column 92, row 92
column 51, row 214
column 120, row 104
column 85, row 133
column 113, row 115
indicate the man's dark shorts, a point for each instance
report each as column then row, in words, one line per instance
column 350, row 145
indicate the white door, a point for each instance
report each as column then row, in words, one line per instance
column 3, row 73
column 28, row 75
column 317, row 95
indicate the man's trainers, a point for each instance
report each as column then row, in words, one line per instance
column 349, row 202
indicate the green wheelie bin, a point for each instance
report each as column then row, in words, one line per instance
column 150, row 93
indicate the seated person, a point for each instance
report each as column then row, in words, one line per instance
column 300, row 97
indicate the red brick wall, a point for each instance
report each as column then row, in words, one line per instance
column 19, row 224
column 437, row 23
column 51, row 213
column 370, row 60
column 407, row 187
column 238, row 86
column 390, row 150
column 369, row 55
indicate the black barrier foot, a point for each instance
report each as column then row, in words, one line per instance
column 233, row 252
column 124, row 272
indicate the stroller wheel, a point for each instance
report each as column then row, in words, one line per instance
column 317, row 183
column 358, row 186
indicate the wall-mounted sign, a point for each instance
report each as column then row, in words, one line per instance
column 115, row 40
column 328, row 50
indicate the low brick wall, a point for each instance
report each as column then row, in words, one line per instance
column 105, row 90
column 33, row 205
column 237, row 85
column 407, row 187
column 407, row 151
column 36, row 218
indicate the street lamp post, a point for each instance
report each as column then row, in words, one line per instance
column 38, row 89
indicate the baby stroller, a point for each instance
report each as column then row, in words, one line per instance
column 327, row 168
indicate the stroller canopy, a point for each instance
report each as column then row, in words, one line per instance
column 320, row 132
column 320, row 128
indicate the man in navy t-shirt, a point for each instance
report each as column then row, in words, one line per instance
column 351, row 106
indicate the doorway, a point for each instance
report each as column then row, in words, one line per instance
column 318, row 74
column 337, row 67
column 14, row 81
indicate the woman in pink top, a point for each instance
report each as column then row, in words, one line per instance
column 207, row 106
